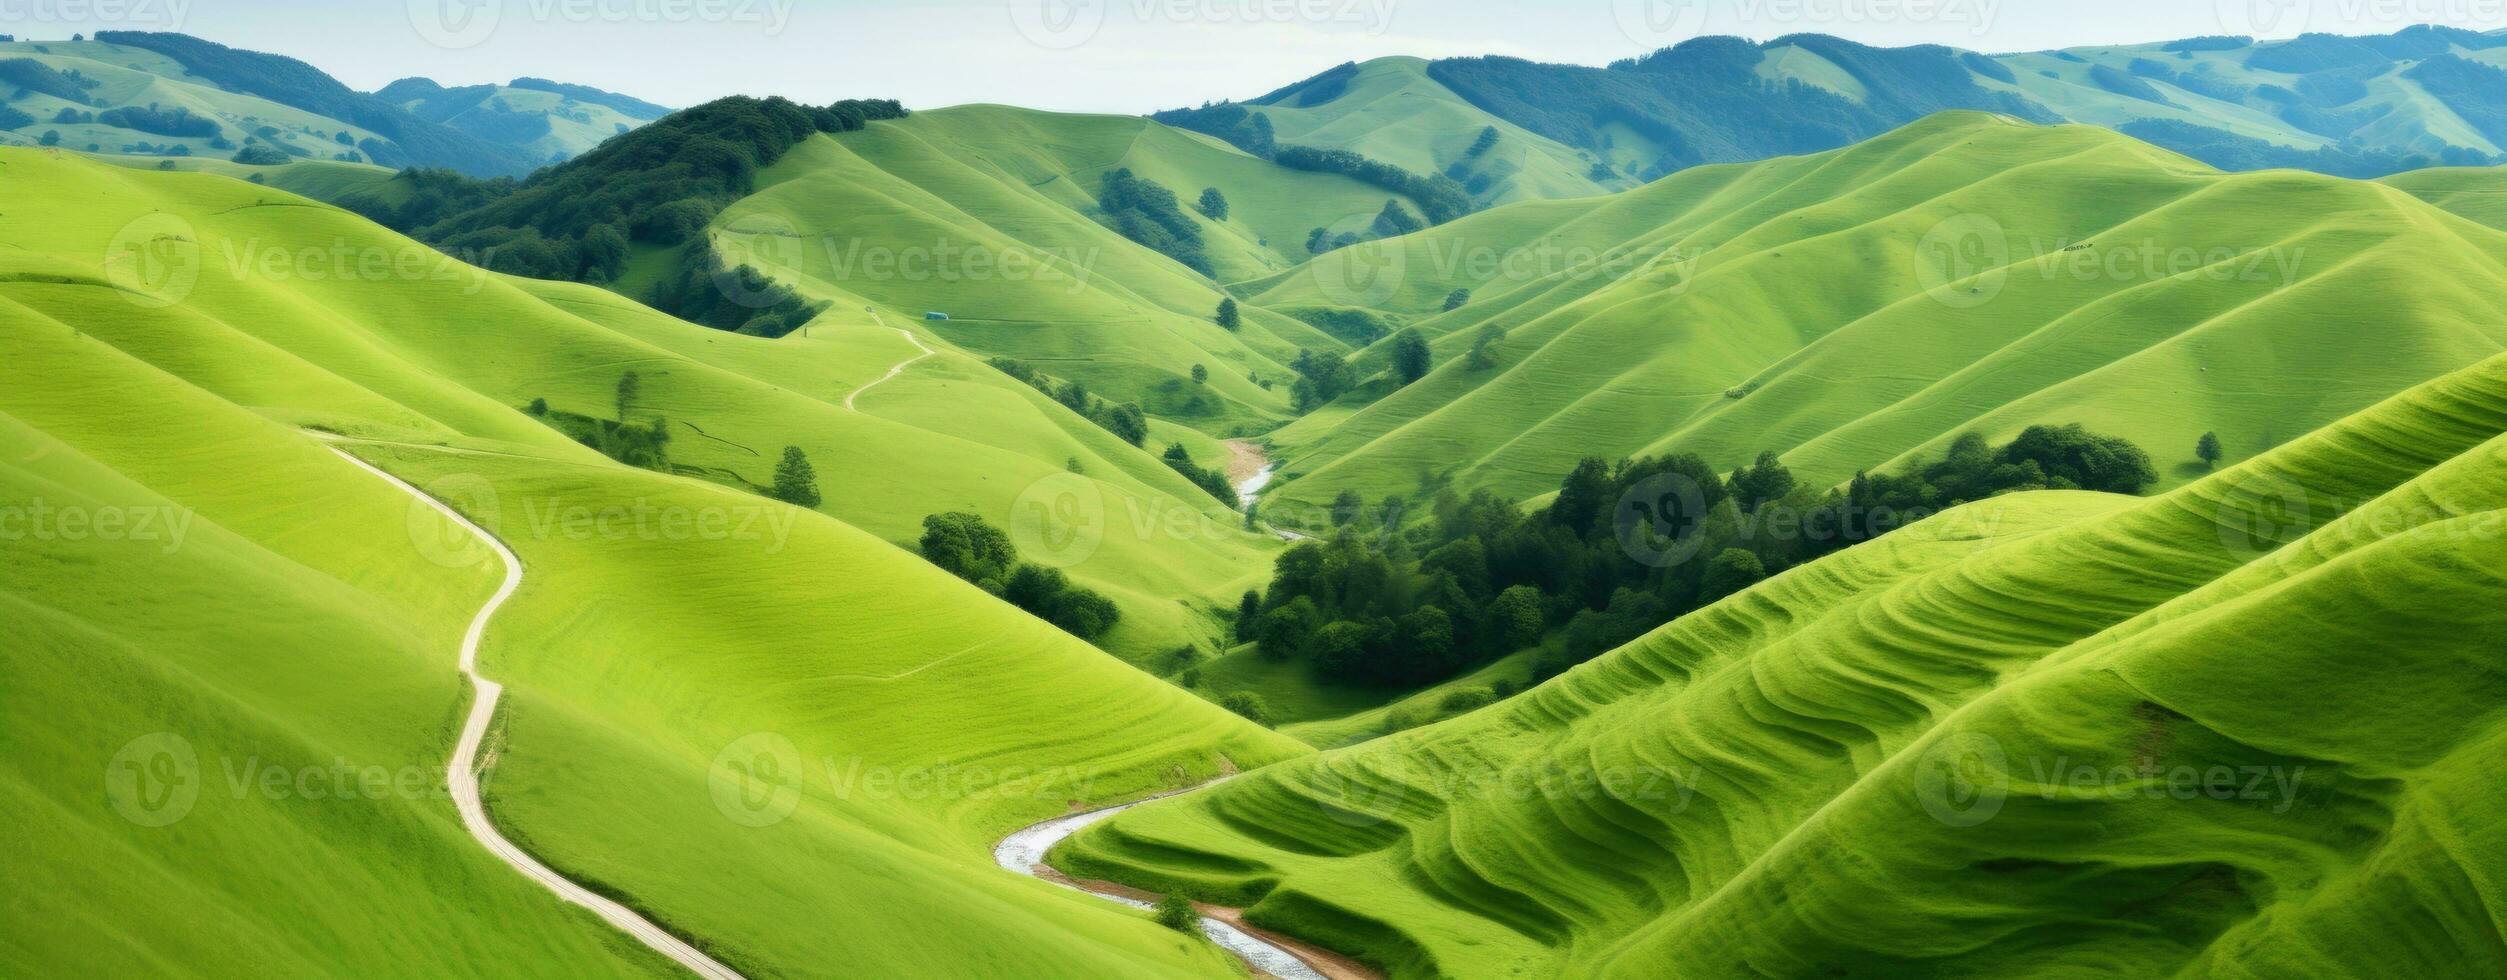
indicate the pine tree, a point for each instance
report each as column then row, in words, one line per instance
column 796, row 483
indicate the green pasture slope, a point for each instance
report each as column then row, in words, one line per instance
column 1964, row 273
column 989, row 214
column 673, row 631
column 1389, row 110
column 2246, row 728
column 947, row 434
column 2478, row 193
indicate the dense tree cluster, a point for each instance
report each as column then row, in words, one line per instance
column 177, row 121
column 259, row 155
column 1438, row 196
column 708, row 289
column 1212, row 481
column 1486, row 142
column 1321, row 376
column 30, row 75
column 1247, row 130
column 1396, row 220
column 965, row 546
column 1127, row 421
column 1620, row 550
column 1144, row 211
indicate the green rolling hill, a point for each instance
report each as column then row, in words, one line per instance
column 1390, row 110
column 1967, row 273
column 2239, row 729
column 2478, row 193
column 990, row 215
column 146, row 373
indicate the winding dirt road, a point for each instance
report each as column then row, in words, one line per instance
column 463, row 778
column 1268, row 955
column 894, row 371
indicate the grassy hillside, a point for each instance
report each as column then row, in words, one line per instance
column 673, row 632
column 2240, row 729
column 1388, row 109
column 1967, row 273
column 2477, row 193
column 989, row 215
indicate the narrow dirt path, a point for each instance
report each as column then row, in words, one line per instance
column 894, row 371
column 1267, row 954
column 463, row 780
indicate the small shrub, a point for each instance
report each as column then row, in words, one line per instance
column 1175, row 912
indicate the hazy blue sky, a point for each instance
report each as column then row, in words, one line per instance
column 1113, row 55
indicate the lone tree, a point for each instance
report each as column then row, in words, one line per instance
column 1201, row 375
column 1227, row 314
column 795, row 482
column 629, row 389
column 2207, row 449
column 1484, row 347
column 1454, row 300
column 1410, row 356
column 1213, row 204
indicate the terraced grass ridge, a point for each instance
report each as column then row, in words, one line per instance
column 767, row 729
column 1968, row 273
column 2246, row 728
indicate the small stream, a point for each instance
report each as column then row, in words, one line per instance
column 1251, row 489
column 1024, row 852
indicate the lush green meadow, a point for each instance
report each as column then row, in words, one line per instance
column 2242, row 728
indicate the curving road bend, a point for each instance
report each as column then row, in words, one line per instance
column 894, row 371
column 1024, row 852
column 464, row 781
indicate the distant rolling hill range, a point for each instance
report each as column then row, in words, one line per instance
column 710, row 695
column 1967, row 273
column 551, row 120
column 2351, row 106
column 2244, row 728
column 171, row 96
